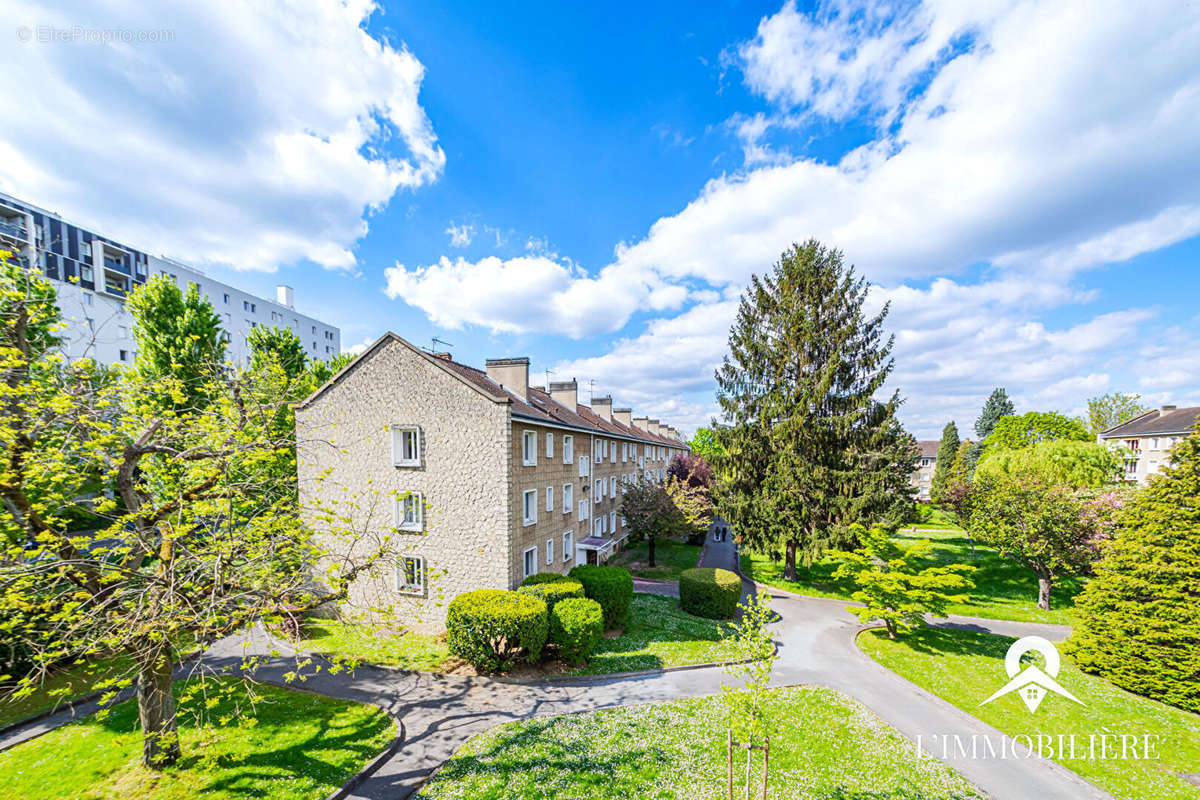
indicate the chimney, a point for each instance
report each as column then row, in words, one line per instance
column 602, row 407
column 1162, row 412
column 284, row 296
column 624, row 416
column 443, row 356
column 565, row 393
column 652, row 426
column 512, row 374
column 641, row 423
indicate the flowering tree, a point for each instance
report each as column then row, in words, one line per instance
column 649, row 512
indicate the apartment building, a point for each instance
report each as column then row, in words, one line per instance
column 483, row 478
column 93, row 275
column 1148, row 439
column 922, row 476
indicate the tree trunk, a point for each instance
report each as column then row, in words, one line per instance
column 891, row 628
column 789, row 561
column 650, row 543
column 1044, row 592
column 156, row 710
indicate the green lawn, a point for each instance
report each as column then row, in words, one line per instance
column 670, row 559
column 374, row 645
column 61, row 687
column 965, row 668
column 825, row 746
column 301, row 746
column 659, row 634
column 1003, row 589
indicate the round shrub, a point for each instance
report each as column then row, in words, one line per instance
column 491, row 628
column 545, row 577
column 551, row 591
column 611, row 587
column 576, row 625
column 708, row 592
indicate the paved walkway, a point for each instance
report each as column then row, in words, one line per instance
column 816, row 646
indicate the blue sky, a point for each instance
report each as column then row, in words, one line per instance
column 592, row 186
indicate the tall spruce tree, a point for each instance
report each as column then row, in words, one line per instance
column 796, row 390
column 998, row 405
column 947, row 451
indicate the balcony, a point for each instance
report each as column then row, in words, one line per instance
column 116, row 265
column 13, row 228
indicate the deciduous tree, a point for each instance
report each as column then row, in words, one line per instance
column 649, row 512
column 1109, row 410
column 1067, row 462
column 1026, row 430
column 997, row 405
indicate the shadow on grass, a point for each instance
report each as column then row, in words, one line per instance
column 956, row 641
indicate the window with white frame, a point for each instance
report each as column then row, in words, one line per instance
column 549, row 445
column 583, row 509
column 549, row 498
column 529, row 507
column 612, row 452
column 585, row 466
column 612, row 486
column 568, row 545
column 568, row 448
column 568, row 497
column 599, row 526
column 530, row 558
column 612, row 521
column 597, row 493
column 410, row 512
column 406, row 446
column 529, row 448
column 410, row 575
column 549, row 551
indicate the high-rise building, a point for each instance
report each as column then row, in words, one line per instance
column 94, row 274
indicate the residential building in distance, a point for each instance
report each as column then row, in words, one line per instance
column 922, row 476
column 1148, row 439
column 93, row 275
column 485, row 479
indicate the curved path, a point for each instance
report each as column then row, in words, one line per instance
column 816, row 646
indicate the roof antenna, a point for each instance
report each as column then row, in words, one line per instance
column 435, row 342
column 549, row 372
column 591, row 391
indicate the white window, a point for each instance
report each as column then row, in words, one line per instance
column 530, row 506
column 568, row 545
column 599, row 524
column 568, row 497
column 597, row 493
column 549, row 551
column 406, row 446
column 612, row 521
column 612, row 452
column 549, row 498
column 530, row 561
column 529, row 448
column 410, row 512
column 549, row 445
column 568, row 448
column 583, row 509
column 585, row 466
column 410, row 575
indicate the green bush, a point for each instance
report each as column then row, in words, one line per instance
column 708, row 592
column 551, row 588
column 576, row 625
column 491, row 628
column 611, row 587
column 1138, row 622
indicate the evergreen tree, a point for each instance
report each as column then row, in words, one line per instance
column 1138, row 622
column 998, row 405
column 946, row 453
column 180, row 343
column 886, row 496
column 796, row 390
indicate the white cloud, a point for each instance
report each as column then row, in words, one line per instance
column 360, row 348
column 460, row 235
column 256, row 134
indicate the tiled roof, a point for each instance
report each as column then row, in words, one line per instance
column 929, row 447
column 1181, row 420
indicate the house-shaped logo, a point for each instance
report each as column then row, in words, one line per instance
column 1033, row 683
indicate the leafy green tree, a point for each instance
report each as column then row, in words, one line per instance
column 1109, row 410
column 797, row 391
column 649, row 512
column 704, row 444
column 689, row 486
column 946, row 453
column 1040, row 524
column 893, row 586
column 1067, row 462
column 199, row 542
column 1026, row 430
column 1138, row 621
column 958, row 480
column 319, row 372
column 180, row 342
column 747, row 699
column 277, row 346
column 997, row 405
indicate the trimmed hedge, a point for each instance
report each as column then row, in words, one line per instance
column 491, row 628
column 576, row 626
column 708, row 592
column 611, row 587
column 551, row 591
column 544, row 577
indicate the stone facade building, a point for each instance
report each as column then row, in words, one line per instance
column 1148, row 439
column 922, row 476
column 478, row 478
